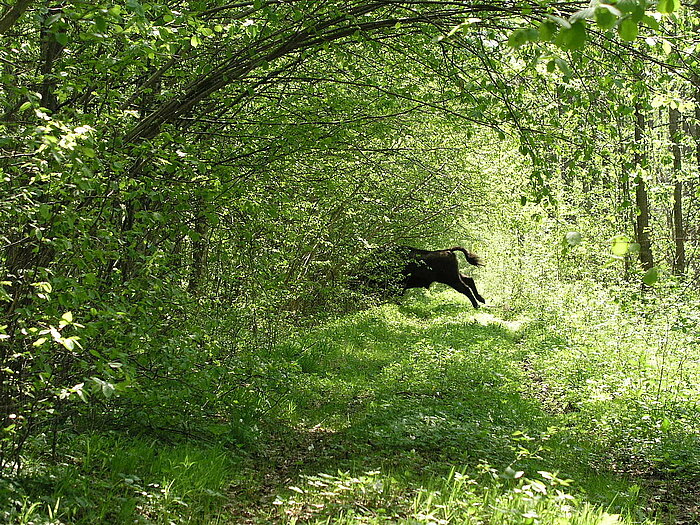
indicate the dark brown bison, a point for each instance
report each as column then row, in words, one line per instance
column 402, row 267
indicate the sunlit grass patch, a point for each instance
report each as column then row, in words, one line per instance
column 627, row 378
column 488, row 318
column 510, row 497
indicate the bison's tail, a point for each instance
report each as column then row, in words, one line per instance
column 472, row 258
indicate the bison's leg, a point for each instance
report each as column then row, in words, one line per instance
column 472, row 285
column 456, row 282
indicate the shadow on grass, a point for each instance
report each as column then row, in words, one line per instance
column 423, row 379
column 376, row 361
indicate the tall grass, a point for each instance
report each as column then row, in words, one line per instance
column 107, row 479
column 375, row 497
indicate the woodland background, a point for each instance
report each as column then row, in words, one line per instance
column 188, row 185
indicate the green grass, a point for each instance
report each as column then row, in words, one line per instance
column 402, row 404
column 106, row 479
column 423, row 412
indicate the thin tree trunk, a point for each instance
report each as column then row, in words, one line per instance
column 50, row 51
column 641, row 196
column 696, row 125
column 199, row 250
column 678, row 226
column 626, row 210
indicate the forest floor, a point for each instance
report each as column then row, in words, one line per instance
column 421, row 412
column 430, row 412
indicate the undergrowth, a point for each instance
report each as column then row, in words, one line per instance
column 120, row 479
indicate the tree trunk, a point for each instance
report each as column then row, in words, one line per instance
column 695, row 128
column 199, row 250
column 12, row 14
column 641, row 196
column 627, row 215
column 678, row 226
column 50, row 51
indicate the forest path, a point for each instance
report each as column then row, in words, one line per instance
column 394, row 400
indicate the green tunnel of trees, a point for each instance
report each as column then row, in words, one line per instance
column 181, row 181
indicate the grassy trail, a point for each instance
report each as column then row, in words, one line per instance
column 427, row 412
column 430, row 412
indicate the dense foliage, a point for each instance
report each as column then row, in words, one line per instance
column 188, row 186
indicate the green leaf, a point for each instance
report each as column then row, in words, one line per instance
column 563, row 66
column 78, row 389
column 668, row 6
column 605, row 18
column 547, row 30
column 573, row 37
column 627, row 6
column 651, row 276
column 620, row 245
column 523, row 36
column 61, row 38
column 572, row 238
column 44, row 286
column 100, row 24
column 89, row 152
column 517, row 38
column 66, row 319
column 106, row 387
column 651, row 22
column 251, row 28
column 628, row 29
column 45, row 211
